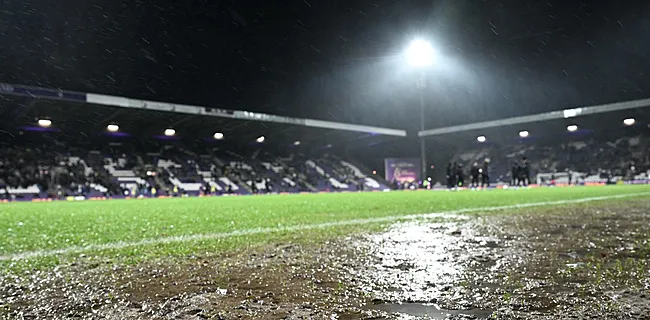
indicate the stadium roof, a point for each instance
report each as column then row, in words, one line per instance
column 623, row 108
column 21, row 110
column 609, row 125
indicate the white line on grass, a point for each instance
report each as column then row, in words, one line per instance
column 451, row 214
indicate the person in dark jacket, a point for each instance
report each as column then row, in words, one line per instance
column 474, row 173
column 514, row 171
column 460, row 176
column 450, row 175
column 485, row 174
column 524, row 172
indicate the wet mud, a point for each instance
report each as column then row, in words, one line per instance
column 554, row 263
column 574, row 262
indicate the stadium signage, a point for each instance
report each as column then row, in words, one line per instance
column 402, row 169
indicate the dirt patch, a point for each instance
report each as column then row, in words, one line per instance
column 279, row 282
column 586, row 261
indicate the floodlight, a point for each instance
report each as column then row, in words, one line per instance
column 218, row 135
column 44, row 123
column 112, row 127
column 170, row 132
column 629, row 121
column 260, row 139
column 523, row 134
column 420, row 54
column 481, row 139
column 572, row 128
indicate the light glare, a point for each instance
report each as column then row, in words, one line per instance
column 629, row 121
column 481, row 139
column 112, row 127
column 170, row 132
column 218, row 135
column 572, row 128
column 260, row 139
column 523, row 134
column 420, row 54
column 44, row 123
column 297, row 143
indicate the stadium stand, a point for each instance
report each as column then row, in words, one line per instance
column 39, row 165
column 57, row 143
column 159, row 169
column 77, row 155
column 587, row 159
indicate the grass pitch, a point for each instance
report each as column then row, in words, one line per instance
column 30, row 227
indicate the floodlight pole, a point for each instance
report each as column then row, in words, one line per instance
column 422, row 85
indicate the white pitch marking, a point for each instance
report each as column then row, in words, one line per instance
column 451, row 214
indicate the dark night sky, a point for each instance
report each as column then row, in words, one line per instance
column 334, row 60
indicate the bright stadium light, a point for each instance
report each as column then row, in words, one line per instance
column 481, row 139
column 260, row 139
column 44, row 123
column 572, row 128
column 523, row 134
column 170, row 132
column 420, row 54
column 218, row 135
column 297, row 143
column 629, row 121
column 112, row 127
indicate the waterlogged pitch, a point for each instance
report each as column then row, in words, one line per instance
column 547, row 253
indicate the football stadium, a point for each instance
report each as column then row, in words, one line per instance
column 107, row 223
column 414, row 200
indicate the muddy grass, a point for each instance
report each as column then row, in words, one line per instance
column 554, row 263
column 586, row 261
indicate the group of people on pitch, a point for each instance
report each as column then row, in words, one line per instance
column 520, row 172
column 479, row 175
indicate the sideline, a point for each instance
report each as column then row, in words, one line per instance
column 451, row 214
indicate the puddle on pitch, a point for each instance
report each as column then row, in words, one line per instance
column 430, row 311
column 585, row 261
column 422, row 269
